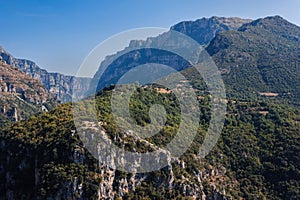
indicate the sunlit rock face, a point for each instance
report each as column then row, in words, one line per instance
column 21, row 95
column 61, row 86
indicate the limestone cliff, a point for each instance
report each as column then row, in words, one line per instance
column 21, row 95
column 59, row 85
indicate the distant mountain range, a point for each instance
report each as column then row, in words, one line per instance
column 59, row 85
column 255, row 57
column 256, row 156
column 262, row 54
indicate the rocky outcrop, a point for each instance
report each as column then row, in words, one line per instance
column 56, row 165
column 205, row 29
column 174, row 177
column 61, row 86
column 21, row 95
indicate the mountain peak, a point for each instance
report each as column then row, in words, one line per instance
column 231, row 22
column 264, row 51
column 205, row 29
column 275, row 24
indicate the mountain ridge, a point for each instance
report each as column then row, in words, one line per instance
column 21, row 95
column 263, row 55
column 58, row 84
column 265, row 166
column 241, row 53
column 209, row 27
column 205, row 29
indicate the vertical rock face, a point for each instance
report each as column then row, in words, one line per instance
column 21, row 95
column 58, row 84
column 205, row 29
column 202, row 31
column 68, row 171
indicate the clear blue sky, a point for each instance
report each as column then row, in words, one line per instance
column 58, row 34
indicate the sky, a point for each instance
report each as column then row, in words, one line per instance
column 59, row 34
